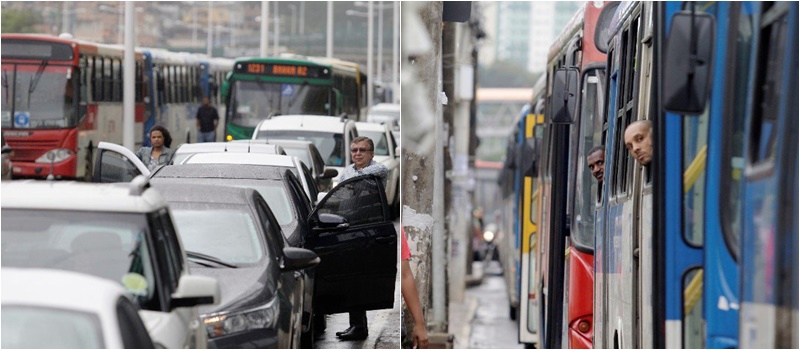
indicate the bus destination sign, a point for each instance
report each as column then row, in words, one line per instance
column 283, row 70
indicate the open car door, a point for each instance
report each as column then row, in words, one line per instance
column 114, row 163
column 357, row 244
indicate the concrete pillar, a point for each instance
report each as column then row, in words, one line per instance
column 422, row 111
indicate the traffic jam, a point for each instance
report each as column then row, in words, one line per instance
column 233, row 234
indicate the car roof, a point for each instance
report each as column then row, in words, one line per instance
column 364, row 126
column 290, row 143
column 241, row 158
column 59, row 289
column 133, row 197
column 304, row 122
column 237, row 147
column 221, row 171
column 217, row 194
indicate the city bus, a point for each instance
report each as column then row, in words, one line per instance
column 178, row 82
column 260, row 88
column 61, row 96
column 555, row 217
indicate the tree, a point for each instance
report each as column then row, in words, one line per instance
column 19, row 20
column 506, row 74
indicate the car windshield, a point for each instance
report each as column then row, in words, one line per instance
column 225, row 231
column 38, row 97
column 379, row 139
column 103, row 244
column 256, row 100
column 330, row 145
column 31, row 327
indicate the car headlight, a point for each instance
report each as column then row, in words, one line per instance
column 488, row 236
column 57, row 155
column 265, row 316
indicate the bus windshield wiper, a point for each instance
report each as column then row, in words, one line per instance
column 297, row 94
column 209, row 258
column 35, row 80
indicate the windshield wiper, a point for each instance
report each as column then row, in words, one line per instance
column 297, row 94
column 209, row 258
column 35, row 80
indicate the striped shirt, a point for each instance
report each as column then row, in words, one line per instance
column 374, row 168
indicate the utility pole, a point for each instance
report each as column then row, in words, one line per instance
column 264, row 29
column 370, row 43
column 329, row 33
column 209, row 33
column 275, row 29
column 395, row 51
column 128, row 75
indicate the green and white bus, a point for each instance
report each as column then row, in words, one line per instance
column 260, row 88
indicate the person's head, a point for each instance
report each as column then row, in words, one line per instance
column 639, row 141
column 362, row 150
column 205, row 101
column 159, row 136
column 596, row 160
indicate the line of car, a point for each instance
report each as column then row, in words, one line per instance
column 236, row 244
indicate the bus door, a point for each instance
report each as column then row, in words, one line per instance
column 686, row 127
column 528, row 302
column 769, row 236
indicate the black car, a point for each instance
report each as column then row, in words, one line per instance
column 231, row 234
column 350, row 229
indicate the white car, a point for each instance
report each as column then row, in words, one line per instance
column 387, row 152
column 331, row 135
column 187, row 149
column 385, row 113
column 61, row 309
column 121, row 232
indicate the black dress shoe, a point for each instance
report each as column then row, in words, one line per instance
column 348, row 330
column 354, row 333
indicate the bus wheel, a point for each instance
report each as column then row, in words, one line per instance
column 89, row 169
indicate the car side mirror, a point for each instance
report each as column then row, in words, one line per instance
column 329, row 173
column 331, row 222
column 297, row 259
column 195, row 290
column 688, row 59
column 565, row 95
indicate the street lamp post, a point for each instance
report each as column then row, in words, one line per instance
column 329, row 34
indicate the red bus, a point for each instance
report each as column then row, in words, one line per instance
column 567, row 192
column 61, row 96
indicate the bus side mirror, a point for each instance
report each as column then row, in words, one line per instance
column 565, row 95
column 687, row 63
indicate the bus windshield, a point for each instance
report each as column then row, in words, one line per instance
column 256, row 100
column 39, row 96
column 330, row 145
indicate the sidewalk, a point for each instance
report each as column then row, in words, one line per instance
column 462, row 314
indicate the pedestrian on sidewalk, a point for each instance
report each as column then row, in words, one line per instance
column 207, row 120
column 409, row 288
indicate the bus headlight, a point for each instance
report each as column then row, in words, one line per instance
column 55, row 155
column 488, row 236
column 265, row 316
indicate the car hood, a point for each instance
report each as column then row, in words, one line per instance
column 240, row 288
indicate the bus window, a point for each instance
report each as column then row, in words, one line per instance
column 693, row 335
column 695, row 147
column 766, row 104
column 586, row 184
column 733, row 133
